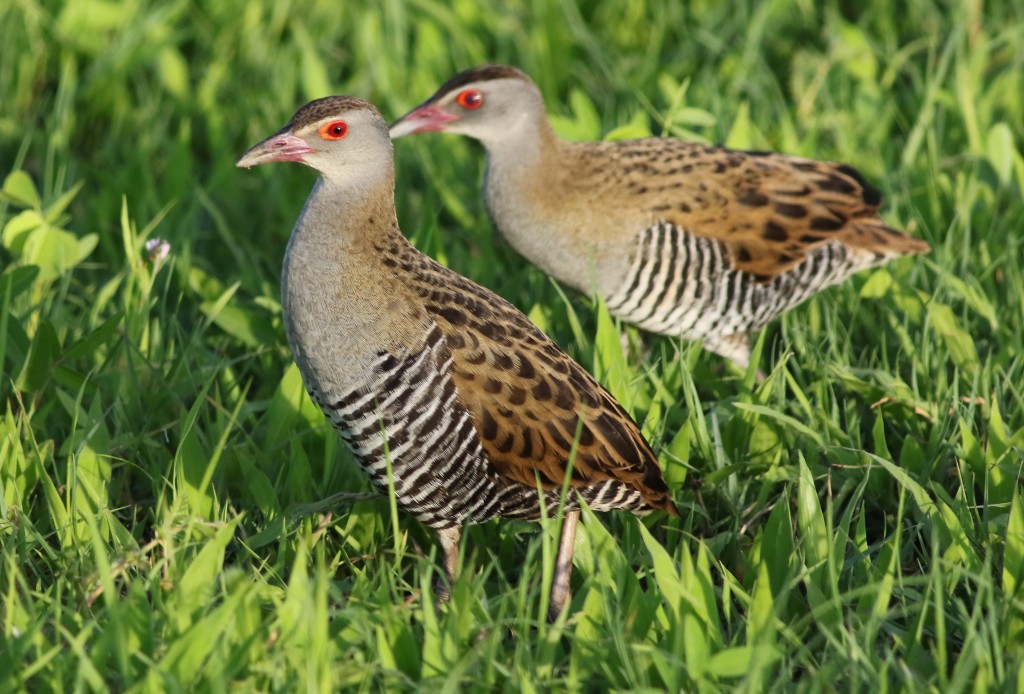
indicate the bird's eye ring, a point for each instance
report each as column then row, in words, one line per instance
column 470, row 99
column 335, row 130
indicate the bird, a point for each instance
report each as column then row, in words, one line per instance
column 441, row 389
column 679, row 238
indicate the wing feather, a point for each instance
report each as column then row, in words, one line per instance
column 534, row 408
column 769, row 210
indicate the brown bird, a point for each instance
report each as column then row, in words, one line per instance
column 680, row 238
column 476, row 412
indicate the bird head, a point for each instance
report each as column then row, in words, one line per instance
column 489, row 103
column 341, row 137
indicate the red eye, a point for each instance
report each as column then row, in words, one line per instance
column 335, row 130
column 471, row 99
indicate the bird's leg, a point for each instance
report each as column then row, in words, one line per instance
column 563, row 565
column 735, row 347
column 450, row 544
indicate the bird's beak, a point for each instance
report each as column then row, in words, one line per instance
column 282, row 146
column 421, row 120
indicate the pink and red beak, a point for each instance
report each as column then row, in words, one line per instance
column 421, row 120
column 282, row 146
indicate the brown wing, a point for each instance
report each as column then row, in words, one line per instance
column 530, row 402
column 769, row 209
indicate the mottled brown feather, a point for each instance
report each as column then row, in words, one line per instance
column 531, row 404
column 768, row 209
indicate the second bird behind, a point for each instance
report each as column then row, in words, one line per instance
column 680, row 238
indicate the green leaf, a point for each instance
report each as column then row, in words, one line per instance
column 1000, row 150
column 678, row 448
column 672, row 91
column 174, row 72
column 819, row 581
column 585, row 123
column 242, row 323
column 56, row 209
column 19, row 228
column 777, row 546
column 189, row 653
column 14, row 351
column 1002, row 478
column 877, row 285
column 599, row 557
column 43, row 352
column 20, row 190
column 197, row 584
column 192, row 462
column 103, row 334
column 55, row 250
column 1013, row 554
column 912, row 458
column 878, row 434
column 696, row 641
column 665, row 573
column 856, row 54
column 957, row 340
column 700, row 585
column 784, row 419
column 384, row 655
column 613, row 369
column 86, row 245
column 760, row 627
column 810, row 518
column 637, row 127
column 741, row 133
column 972, row 295
column 15, row 280
column 287, row 407
column 920, row 495
column 235, row 322
column 694, row 117
column 42, row 457
column 88, row 24
column 740, row 660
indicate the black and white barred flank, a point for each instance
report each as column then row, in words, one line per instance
column 682, row 284
column 409, row 416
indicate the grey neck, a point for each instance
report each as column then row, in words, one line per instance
column 333, row 284
column 338, row 220
column 525, row 143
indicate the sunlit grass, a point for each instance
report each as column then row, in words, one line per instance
column 176, row 515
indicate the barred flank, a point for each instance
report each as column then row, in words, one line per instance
column 409, row 413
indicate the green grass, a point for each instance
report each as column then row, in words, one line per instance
column 177, row 516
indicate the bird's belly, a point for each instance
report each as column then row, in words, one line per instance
column 545, row 247
column 681, row 285
column 332, row 350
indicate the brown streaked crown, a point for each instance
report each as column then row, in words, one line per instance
column 482, row 73
column 319, row 109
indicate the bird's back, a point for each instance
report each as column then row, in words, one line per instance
column 769, row 210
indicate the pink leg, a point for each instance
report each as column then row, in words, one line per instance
column 563, row 566
column 450, row 544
